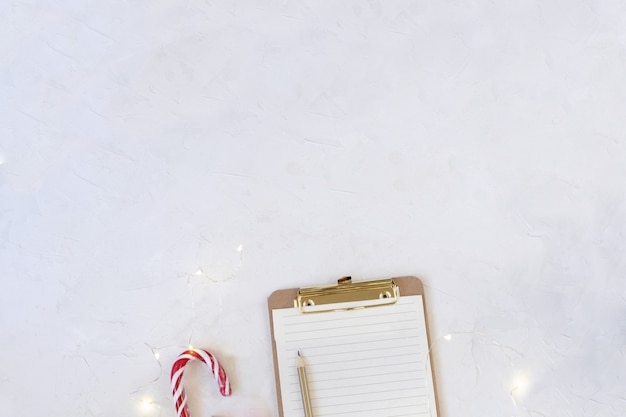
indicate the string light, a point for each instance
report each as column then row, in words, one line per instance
column 146, row 405
column 519, row 387
column 519, row 383
column 157, row 356
column 215, row 276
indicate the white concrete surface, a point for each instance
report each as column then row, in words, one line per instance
column 164, row 166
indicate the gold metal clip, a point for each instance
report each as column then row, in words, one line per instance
column 347, row 295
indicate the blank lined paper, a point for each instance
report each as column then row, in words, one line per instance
column 367, row 362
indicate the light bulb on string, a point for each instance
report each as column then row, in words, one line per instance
column 146, row 405
column 219, row 269
column 519, row 387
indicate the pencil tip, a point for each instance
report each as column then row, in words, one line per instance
column 299, row 353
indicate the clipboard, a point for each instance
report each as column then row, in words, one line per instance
column 306, row 316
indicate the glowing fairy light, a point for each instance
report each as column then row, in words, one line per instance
column 448, row 336
column 240, row 248
column 519, row 387
column 199, row 271
column 147, row 404
column 190, row 347
column 157, row 355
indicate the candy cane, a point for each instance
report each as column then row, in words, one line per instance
column 177, row 375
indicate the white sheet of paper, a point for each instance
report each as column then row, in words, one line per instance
column 370, row 362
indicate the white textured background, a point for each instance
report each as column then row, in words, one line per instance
column 480, row 146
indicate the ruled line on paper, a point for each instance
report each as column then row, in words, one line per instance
column 318, row 318
column 398, row 387
column 411, row 321
column 340, row 380
column 380, row 377
column 357, row 368
column 383, row 409
column 357, row 350
column 386, row 409
column 329, row 347
column 376, row 400
column 334, row 336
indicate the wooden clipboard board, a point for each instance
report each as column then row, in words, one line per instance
column 287, row 298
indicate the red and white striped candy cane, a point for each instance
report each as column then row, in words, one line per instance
column 177, row 375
